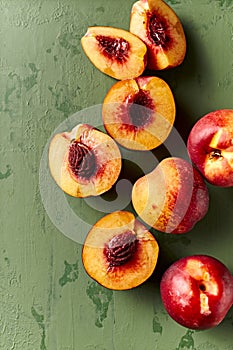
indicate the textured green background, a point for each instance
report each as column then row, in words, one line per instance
column 47, row 302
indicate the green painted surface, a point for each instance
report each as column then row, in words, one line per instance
column 47, row 302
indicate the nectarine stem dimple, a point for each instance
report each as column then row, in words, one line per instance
column 215, row 154
column 81, row 160
column 114, row 48
column 158, row 31
column 202, row 287
column 120, row 248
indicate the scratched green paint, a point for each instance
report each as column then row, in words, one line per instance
column 7, row 173
column 101, row 298
column 157, row 327
column 70, row 274
column 47, row 301
column 227, row 3
column 187, row 341
column 40, row 321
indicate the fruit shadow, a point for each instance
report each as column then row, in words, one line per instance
column 168, row 252
column 213, row 234
column 221, row 331
column 91, row 209
column 187, row 82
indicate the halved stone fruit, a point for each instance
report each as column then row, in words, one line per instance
column 119, row 252
column 161, row 30
column 84, row 162
column 139, row 113
column 115, row 52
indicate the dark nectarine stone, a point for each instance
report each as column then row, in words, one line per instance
column 158, row 30
column 120, row 248
column 82, row 162
column 140, row 116
column 114, row 48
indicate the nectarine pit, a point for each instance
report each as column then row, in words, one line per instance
column 114, row 48
column 120, row 248
column 158, row 30
column 81, row 160
column 139, row 117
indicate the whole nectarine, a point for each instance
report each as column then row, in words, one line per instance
column 197, row 291
column 210, row 147
column 172, row 198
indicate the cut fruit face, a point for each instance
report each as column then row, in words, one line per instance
column 119, row 252
column 115, row 52
column 158, row 26
column 84, row 162
column 139, row 113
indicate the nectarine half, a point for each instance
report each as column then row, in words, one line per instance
column 115, row 52
column 159, row 27
column 119, row 252
column 84, row 162
column 139, row 113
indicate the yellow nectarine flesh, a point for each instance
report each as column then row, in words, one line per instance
column 159, row 27
column 84, row 162
column 139, row 113
column 115, row 52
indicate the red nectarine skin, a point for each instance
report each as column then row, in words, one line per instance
column 210, row 147
column 190, row 182
column 199, row 202
column 172, row 198
column 197, row 291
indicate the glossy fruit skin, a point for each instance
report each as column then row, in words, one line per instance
column 210, row 147
column 172, row 198
column 197, row 291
